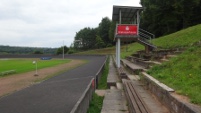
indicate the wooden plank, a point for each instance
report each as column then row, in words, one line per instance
column 138, row 100
column 132, row 99
column 144, row 107
column 136, row 103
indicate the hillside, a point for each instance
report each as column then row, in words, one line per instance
column 181, row 73
column 183, row 38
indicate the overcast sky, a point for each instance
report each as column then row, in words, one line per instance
column 49, row 23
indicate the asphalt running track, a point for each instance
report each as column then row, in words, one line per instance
column 56, row 95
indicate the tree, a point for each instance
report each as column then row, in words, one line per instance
column 60, row 50
column 103, row 30
column 163, row 17
column 38, row 52
column 111, row 31
column 85, row 38
column 90, row 38
column 99, row 42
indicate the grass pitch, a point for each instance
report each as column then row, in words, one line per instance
column 25, row 65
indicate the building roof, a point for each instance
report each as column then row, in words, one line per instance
column 127, row 13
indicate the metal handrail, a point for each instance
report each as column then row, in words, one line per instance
column 146, row 37
column 147, row 32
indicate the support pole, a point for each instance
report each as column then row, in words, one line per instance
column 116, row 54
column 118, row 49
column 120, row 16
column 138, row 21
column 119, row 44
column 63, row 49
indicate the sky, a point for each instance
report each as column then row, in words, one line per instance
column 51, row 23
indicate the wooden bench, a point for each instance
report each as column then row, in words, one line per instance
column 135, row 101
column 7, row 72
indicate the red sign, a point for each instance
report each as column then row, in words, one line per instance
column 127, row 30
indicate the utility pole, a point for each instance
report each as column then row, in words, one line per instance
column 63, row 49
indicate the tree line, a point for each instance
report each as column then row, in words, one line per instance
column 92, row 38
column 26, row 50
column 162, row 17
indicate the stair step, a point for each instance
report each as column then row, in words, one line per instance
column 154, row 62
column 171, row 56
column 164, row 60
column 113, row 87
column 134, row 77
column 145, row 69
column 119, row 85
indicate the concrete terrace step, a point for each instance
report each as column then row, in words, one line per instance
column 131, row 65
column 164, row 60
column 154, row 62
column 119, row 85
column 114, row 102
column 112, row 75
column 113, row 87
column 171, row 56
column 134, row 77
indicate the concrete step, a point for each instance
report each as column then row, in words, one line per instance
column 171, row 56
column 154, row 62
column 164, row 60
column 134, row 77
column 113, row 87
column 145, row 70
column 119, row 85
column 114, row 102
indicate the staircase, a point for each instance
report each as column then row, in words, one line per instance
column 145, row 39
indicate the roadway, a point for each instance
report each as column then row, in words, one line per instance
column 55, row 95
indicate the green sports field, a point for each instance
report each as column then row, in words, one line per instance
column 25, row 65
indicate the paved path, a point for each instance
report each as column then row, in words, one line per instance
column 56, row 95
column 114, row 101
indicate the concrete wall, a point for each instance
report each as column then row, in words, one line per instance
column 83, row 103
column 165, row 95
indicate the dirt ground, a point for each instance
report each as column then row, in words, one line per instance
column 17, row 82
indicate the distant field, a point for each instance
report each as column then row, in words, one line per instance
column 25, row 65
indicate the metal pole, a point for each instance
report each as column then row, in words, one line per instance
column 116, row 53
column 138, row 22
column 118, row 44
column 36, row 68
column 120, row 16
column 63, row 49
column 118, row 49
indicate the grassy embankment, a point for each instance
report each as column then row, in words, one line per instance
column 182, row 73
column 97, row 101
column 25, row 65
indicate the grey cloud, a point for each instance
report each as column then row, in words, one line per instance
column 47, row 23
